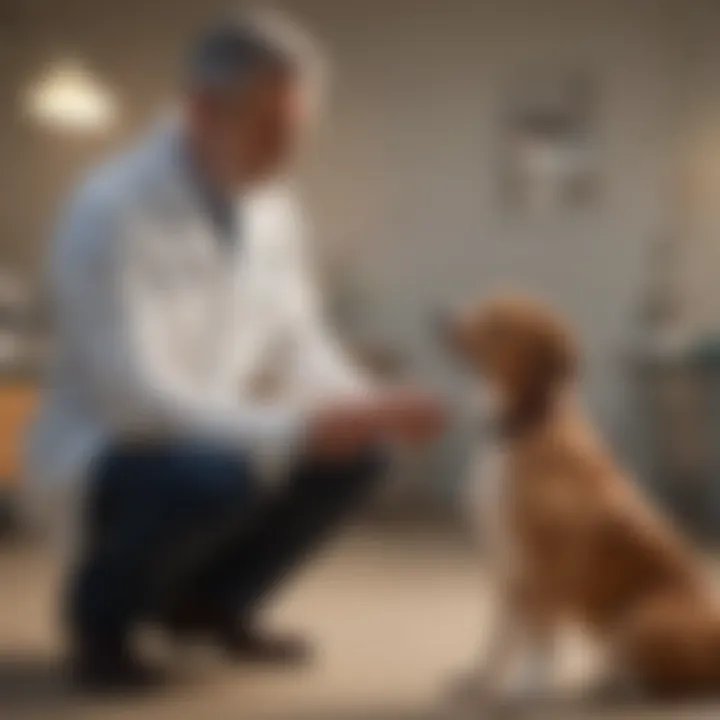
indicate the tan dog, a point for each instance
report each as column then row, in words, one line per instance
column 571, row 536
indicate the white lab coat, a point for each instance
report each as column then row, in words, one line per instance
column 161, row 331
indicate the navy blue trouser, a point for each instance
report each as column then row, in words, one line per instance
column 173, row 526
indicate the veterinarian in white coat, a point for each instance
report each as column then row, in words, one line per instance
column 180, row 286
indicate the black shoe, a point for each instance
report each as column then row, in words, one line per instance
column 110, row 669
column 187, row 620
column 243, row 642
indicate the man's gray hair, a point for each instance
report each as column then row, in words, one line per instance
column 238, row 47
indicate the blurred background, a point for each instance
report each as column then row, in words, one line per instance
column 569, row 148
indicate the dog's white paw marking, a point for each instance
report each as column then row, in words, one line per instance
column 471, row 698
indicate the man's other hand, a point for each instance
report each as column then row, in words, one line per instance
column 414, row 416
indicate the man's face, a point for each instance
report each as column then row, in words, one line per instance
column 255, row 134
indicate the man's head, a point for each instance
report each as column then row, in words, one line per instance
column 246, row 99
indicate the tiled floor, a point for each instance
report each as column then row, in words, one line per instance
column 395, row 615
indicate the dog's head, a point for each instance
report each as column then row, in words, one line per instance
column 517, row 344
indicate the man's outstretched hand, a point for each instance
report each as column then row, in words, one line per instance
column 344, row 427
column 414, row 416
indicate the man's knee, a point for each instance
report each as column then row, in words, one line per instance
column 345, row 477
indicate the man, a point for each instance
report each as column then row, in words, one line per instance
column 179, row 285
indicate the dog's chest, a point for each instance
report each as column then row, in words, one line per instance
column 491, row 501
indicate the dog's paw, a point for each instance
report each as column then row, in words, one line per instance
column 471, row 697
column 616, row 690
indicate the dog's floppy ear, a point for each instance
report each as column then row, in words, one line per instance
column 562, row 354
column 555, row 357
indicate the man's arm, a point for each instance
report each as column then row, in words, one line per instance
column 320, row 362
column 322, row 369
column 107, row 308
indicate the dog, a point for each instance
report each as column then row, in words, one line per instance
column 570, row 536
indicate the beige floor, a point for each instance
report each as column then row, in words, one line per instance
column 396, row 616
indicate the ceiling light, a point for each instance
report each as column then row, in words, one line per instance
column 69, row 97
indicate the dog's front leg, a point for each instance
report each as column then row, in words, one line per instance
column 537, row 656
column 536, row 629
column 484, row 686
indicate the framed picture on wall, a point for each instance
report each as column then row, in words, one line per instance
column 548, row 144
